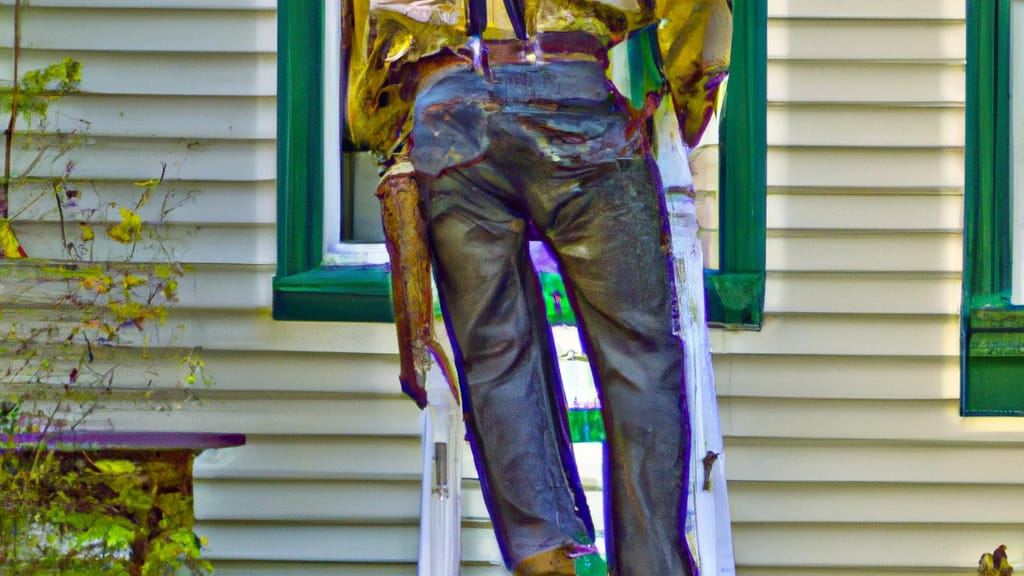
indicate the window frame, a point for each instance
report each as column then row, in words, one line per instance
column 303, row 289
column 991, row 327
column 735, row 291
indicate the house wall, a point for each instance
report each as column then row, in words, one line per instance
column 846, row 455
column 845, row 449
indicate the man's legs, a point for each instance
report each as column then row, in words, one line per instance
column 607, row 231
column 586, row 183
column 489, row 291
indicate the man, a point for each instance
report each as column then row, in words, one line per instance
column 521, row 136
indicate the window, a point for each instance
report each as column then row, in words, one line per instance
column 992, row 315
column 351, row 286
column 331, row 266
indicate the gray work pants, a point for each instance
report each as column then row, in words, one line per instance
column 549, row 150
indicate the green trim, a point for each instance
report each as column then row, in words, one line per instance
column 338, row 295
column 303, row 289
column 991, row 329
column 742, row 182
column 735, row 299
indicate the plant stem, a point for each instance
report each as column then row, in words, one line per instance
column 5, row 183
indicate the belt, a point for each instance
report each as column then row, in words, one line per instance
column 547, row 47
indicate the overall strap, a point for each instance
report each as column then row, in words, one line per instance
column 516, row 10
column 477, row 20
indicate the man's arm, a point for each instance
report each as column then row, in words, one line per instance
column 695, row 37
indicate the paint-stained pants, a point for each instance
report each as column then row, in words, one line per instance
column 548, row 150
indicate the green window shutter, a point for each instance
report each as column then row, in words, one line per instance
column 992, row 329
column 735, row 292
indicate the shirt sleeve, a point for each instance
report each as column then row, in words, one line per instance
column 694, row 37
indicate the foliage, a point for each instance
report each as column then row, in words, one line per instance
column 84, row 324
column 38, row 88
column 100, row 515
column 995, row 563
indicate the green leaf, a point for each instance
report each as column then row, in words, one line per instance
column 115, row 466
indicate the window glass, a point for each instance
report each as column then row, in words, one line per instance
column 352, row 229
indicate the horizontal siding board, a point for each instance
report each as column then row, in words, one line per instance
column 915, row 463
column 189, row 244
column 865, row 167
column 867, row 293
column 305, row 542
column 865, row 252
column 877, row 503
column 863, row 81
column 204, row 31
column 837, row 377
column 836, row 334
column 290, row 414
column 843, row 39
column 161, row 74
column 870, row 124
column 869, row 9
column 226, row 287
column 880, row 420
column 270, row 371
column 145, row 158
column 909, row 213
column 371, row 501
column 225, row 330
column 910, row 546
column 331, row 543
column 185, row 117
column 841, row 210
column 293, row 455
column 174, row 201
column 214, row 329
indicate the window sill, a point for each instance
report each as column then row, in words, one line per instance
column 341, row 294
column 994, row 362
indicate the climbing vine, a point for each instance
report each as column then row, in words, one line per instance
column 83, row 312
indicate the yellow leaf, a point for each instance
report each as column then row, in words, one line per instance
column 9, row 245
column 131, row 281
column 87, row 232
column 163, row 271
column 115, row 466
column 129, row 229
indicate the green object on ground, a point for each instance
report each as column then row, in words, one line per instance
column 586, row 425
column 591, row 565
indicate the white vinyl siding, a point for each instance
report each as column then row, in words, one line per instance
column 846, row 452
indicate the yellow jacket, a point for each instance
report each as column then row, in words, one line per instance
column 390, row 44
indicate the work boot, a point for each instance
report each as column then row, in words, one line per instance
column 554, row 562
